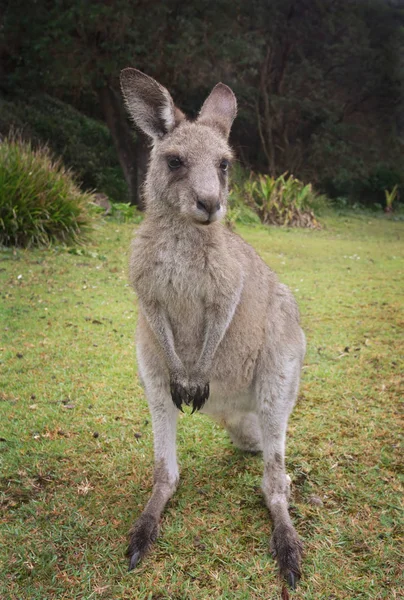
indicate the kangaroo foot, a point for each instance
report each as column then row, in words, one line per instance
column 287, row 548
column 141, row 537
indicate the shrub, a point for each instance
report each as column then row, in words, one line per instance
column 238, row 211
column 84, row 144
column 391, row 197
column 284, row 200
column 367, row 190
column 124, row 212
column 40, row 202
column 382, row 178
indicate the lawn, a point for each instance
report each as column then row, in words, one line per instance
column 76, row 439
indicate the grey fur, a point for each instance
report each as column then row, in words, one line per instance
column 216, row 328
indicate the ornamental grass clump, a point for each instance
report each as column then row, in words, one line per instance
column 40, row 202
column 283, row 200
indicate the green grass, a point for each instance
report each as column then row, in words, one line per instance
column 74, row 475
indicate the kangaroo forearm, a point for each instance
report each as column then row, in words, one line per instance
column 160, row 325
column 213, row 337
column 218, row 318
column 211, row 343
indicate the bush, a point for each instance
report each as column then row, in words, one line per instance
column 84, row 144
column 284, row 201
column 124, row 212
column 366, row 190
column 373, row 189
column 238, row 210
column 40, row 202
column 391, row 197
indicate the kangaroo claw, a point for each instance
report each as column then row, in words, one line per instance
column 133, row 561
column 292, row 580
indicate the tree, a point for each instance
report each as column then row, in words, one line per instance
column 75, row 50
column 318, row 82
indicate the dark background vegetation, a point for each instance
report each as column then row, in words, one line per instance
column 319, row 84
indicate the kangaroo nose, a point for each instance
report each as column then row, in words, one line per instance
column 208, row 205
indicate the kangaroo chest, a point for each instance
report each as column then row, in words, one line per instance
column 180, row 271
column 179, row 279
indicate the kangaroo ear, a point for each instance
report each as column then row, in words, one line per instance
column 149, row 104
column 219, row 109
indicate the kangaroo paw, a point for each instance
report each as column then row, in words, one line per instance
column 141, row 537
column 179, row 394
column 200, row 395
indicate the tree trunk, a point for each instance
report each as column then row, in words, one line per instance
column 116, row 120
column 266, row 121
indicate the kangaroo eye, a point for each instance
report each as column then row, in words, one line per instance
column 174, row 162
column 224, row 165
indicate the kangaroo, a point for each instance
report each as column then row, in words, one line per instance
column 216, row 328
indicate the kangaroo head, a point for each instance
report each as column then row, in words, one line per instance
column 189, row 163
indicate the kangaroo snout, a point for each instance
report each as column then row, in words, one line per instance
column 208, row 205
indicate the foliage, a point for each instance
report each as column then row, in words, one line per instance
column 282, row 200
column 391, row 197
column 365, row 189
column 84, row 144
column 238, row 211
column 76, row 437
column 372, row 190
column 40, row 202
column 318, row 83
column 124, row 212
column 322, row 72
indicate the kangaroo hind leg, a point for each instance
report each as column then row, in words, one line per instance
column 164, row 418
column 276, row 397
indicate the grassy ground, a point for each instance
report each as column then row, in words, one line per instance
column 76, row 440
